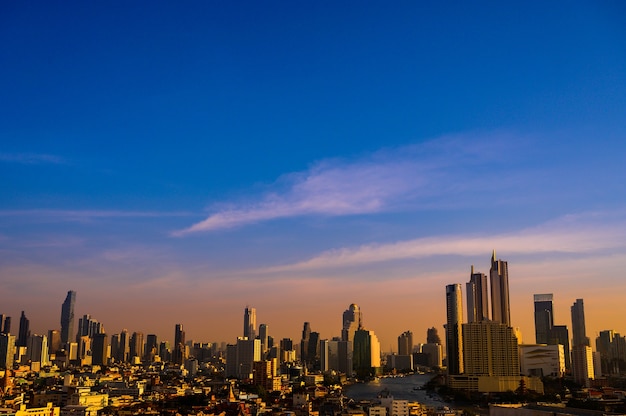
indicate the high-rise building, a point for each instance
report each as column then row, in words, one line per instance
column 454, row 336
column 123, row 350
column 352, row 321
column 248, row 351
column 179, row 345
column 544, row 318
column 99, row 349
column 477, row 304
column 579, row 333
column 582, row 358
column 2, row 318
column 366, row 355
column 67, row 317
column 499, row 277
column 152, row 347
column 263, row 336
column 24, row 331
column 490, row 349
column 136, row 346
column 304, row 343
column 54, row 341
column 88, row 327
column 405, row 343
column 7, row 350
column 560, row 335
column 249, row 323
column 6, row 328
column 37, row 349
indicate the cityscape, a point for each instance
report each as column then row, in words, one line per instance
column 312, row 208
column 483, row 354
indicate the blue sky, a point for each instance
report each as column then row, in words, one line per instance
column 305, row 156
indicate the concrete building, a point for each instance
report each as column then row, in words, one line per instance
column 366, row 353
column 499, row 279
column 454, row 334
column 490, row 349
column 477, row 299
column 541, row 360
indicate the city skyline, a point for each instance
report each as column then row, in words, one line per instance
column 171, row 165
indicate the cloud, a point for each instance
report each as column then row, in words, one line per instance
column 574, row 234
column 380, row 182
column 85, row 215
column 31, row 158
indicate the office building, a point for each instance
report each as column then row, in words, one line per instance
column 490, row 349
column 366, row 353
column 99, row 349
column 7, row 350
column 88, row 327
column 544, row 318
column 37, row 349
column 405, row 343
column 136, row 347
column 432, row 336
column 152, row 347
column 179, row 355
column 67, row 317
column 499, row 277
column 541, row 360
column 263, row 336
column 24, row 331
column 6, row 326
column 582, row 357
column 249, row 323
column 477, row 303
column 54, row 341
column 454, row 335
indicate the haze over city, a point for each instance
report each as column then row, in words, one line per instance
column 176, row 164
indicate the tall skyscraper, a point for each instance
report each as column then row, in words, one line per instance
column 582, row 359
column 454, row 337
column 136, row 345
column 88, row 327
column 304, row 343
column 24, row 331
column 2, row 316
column 352, row 320
column 152, row 347
column 99, row 349
column 7, row 350
column 499, row 276
column 6, row 329
column 263, row 336
column 249, row 323
column 579, row 333
column 366, row 355
column 179, row 345
column 67, row 317
column 544, row 318
column 405, row 343
column 477, row 304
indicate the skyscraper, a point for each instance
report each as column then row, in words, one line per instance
column 582, row 359
column 99, row 349
column 490, row 349
column 432, row 337
column 263, row 336
column 366, row 356
column 477, row 304
column 304, row 343
column 352, row 320
column 24, row 331
column 405, row 343
column 249, row 323
column 454, row 337
column 544, row 318
column 499, row 276
column 67, row 317
column 179, row 345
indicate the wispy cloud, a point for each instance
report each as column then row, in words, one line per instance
column 378, row 182
column 31, row 158
column 576, row 234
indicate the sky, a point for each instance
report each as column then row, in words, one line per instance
column 175, row 163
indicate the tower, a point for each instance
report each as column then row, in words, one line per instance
column 477, row 304
column 582, row 359
column 499, row 276
column 544, row 318
column 179, row 344
column 304, row 343
column 24, row 331
column 99, row 349
column 249, row 323
column 405, row 343
column 454, row 337
column 366, row 356
column 263, row 335
column 67, row 317
column 352, row 320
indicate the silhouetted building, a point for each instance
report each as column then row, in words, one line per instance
column 544, row 318
column 405, row 343
column 99, row 349
column 24, row 331
column 352, row 320
column 67, row 317
column 499, row 276
column 179, row 345
column 6, row 327
column 366, row 355
column 477, row 303
column 152, row 347
column 432, row 337
column 249, row 323
column 454, row 336
column 582, row 359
